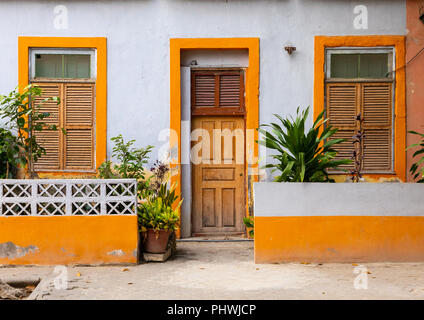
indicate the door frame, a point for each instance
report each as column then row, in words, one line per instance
column 251, row 102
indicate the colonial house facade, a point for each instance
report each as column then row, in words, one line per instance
column 158, row 70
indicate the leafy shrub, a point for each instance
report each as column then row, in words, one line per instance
column 9, row 154
column 417, row 170
column 302, row 156
column 131, row 161
column 156, row 186
column 25, row 118
column 248, row 222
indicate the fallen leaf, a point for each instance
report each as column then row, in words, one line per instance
column 305, row 263
column 257, row 268
column 354, row 264
column 130, row 283
column 368, row 272
column 201, row 268
column 125, row 269
column 78, row 274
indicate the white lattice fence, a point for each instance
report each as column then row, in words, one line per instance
column 68, row 197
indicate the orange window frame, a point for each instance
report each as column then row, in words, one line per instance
column 399, row 125
column 98, row 43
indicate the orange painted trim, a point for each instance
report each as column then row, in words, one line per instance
column 339, row 239
column 252, row 94
column 53, row 240
column 398, row 42
column 98, row 43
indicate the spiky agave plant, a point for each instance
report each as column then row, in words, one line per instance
column 302, row 156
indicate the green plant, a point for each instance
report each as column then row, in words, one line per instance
column 131, row 161
column 358, row 154
column 156, row 186
column 156, row 215
column 417, row 170
column 302, row 156
column 9, row 154
column 248, row 222
column 24, row 117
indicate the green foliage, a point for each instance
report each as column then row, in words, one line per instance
column 9, row 154
column 417, row 170
column 302, row 156
column 248, row 222
column 24, row 117
column 157, row 185
column 156, row 215
column 157, row 212
column 131, row 161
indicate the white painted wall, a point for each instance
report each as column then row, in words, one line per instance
column 138, row 33
column 289, row 199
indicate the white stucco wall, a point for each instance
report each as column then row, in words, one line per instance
column 347, row 199
column 138, row 34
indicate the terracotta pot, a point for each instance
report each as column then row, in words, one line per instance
column 156, row 242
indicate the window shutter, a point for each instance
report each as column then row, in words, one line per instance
column 78, row 122
column 217, row 92
column 48, row 139
column 229, row 90
column 204, row 90
column 342, row 107
column 377, row 111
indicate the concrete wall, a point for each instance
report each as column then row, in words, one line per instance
column 53, row 240
column 138, row 34
column 414, row 76
column 347, row 222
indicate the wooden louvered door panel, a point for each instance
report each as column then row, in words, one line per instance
column 78, row 122
column 204, row 94
column 377, row 112
column 217, row 92
column 342, row 107
column 50, row 140
column 230, row 91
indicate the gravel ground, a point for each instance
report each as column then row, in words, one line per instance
column 225, row 270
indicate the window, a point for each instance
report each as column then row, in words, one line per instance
column 217, row 92
column 69, row 75
column 361, row 81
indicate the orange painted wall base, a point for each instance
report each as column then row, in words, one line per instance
column 339, row 239
column 68, row 240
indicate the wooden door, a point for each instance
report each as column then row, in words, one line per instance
column 218, row 157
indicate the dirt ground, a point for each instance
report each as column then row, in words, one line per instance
column 225, row 270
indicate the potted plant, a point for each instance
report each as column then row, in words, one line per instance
column 158, row 212
column 157, row 222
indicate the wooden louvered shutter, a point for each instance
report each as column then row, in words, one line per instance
column 78, row 122
column 217, row 92
column 204, row 90
column 374, row 102
column 342, row 107
column 377, row 112
column 49, row 139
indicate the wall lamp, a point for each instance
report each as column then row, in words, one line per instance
column 290, row 49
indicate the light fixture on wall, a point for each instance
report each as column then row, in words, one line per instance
column 290, row 49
